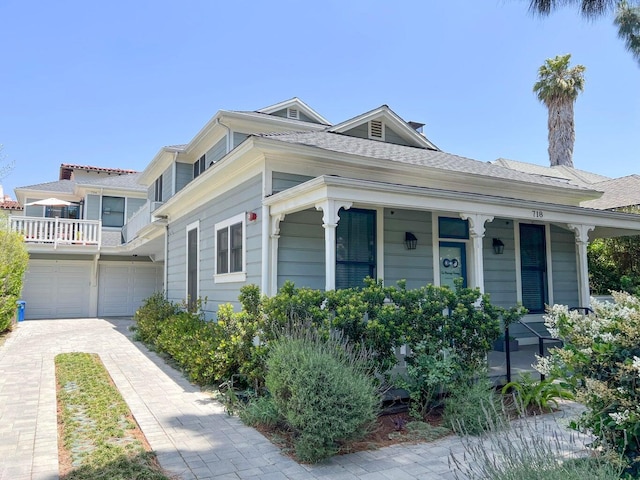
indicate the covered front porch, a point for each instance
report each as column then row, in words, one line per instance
column 540, row 257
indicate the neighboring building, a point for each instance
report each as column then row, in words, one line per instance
column 282, row 194
column 7, row 205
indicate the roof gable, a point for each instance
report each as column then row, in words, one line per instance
column 385, row 125
column 295, row 109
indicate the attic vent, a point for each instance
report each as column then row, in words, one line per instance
column 376, row 129
column 293, row 113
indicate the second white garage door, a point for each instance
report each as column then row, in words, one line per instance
column 124, row 286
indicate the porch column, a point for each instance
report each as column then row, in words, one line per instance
column 476, row 232
column 582, row 240
column 330, row 219
column 274, row 236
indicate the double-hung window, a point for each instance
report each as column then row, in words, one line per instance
column 200, row 166
column 157, row 189
column 112, row 211
column 230, row 250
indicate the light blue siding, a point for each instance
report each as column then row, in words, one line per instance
column 92, row 207
column 565, row 275
column 133, row 205
column 282, row 181
column 500, row 270
column 184, row 174
column 167, row 179
column 245, row 198
column 391, row 136
column 216, row 152
column 238, row 138
column 301, row 250
column 414, row 266
column 361, row 131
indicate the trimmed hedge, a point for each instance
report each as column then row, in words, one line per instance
column 13, row 263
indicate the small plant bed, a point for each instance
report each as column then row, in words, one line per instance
column 99, row 436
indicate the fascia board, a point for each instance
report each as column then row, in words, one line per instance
column 398, row 196
column 88, row 188
column 448, row 179
column 163, row 159
column 23, row 193
column 224, row 175
column 239, row 120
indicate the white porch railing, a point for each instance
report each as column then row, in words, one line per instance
column 138, row 221
column 57, row 231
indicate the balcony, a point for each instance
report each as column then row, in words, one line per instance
column 57, row 231
column 138, row 221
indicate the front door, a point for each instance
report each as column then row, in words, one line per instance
column 453, row 261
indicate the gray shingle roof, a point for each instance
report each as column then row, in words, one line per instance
column 576, row 175
column 618, row 192
column 415, row 156
column 129, row 182
column 60, row 186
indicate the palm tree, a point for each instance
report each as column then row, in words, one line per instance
column 557, row 87
column 589, row 8
column 628, row 22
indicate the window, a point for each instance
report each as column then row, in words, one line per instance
column 453, row 228
column 71, row 211
column 355, row 247
column 112, row 211
column 230, row 250
column 157, row 190
column 533, row 267
column 200, row 166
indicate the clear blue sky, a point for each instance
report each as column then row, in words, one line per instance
column 109, row 83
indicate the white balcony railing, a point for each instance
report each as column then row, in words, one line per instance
column 57, row 231
column 138, row 221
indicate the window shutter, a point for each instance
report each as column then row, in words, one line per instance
column 533, row 263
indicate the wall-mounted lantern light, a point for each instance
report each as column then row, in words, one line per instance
column 410, row 241
column 498, row 246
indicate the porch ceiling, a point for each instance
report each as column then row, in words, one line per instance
column 380, row 194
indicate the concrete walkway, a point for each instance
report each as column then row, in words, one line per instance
column 192, row 435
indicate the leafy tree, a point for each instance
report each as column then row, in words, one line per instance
column 557, row 87
column 628, row 22
column 6, row 168
column 13, row 263
column 588, row 8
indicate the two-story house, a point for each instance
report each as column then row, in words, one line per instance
column 283, row 194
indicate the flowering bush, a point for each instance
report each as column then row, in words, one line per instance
column 601, row 359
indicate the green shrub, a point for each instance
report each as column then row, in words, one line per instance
column 13, row 263
column 321, row 391
column 151, row 315
column 427, row 377
column 473, row 407
column 601, row 359
column 260, row 411
column 541, row 395
column 191, row 341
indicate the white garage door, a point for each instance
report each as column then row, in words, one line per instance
column 124, row 286
column 54, row 289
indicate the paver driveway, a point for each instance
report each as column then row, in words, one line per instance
column 192, row 435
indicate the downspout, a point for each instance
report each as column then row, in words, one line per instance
column 174, row 173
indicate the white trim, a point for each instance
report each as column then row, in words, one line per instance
column 547, row 239
column 230, row 277
column 516, row 240
column 192, row 226
column 379, row 243
column 435, row 242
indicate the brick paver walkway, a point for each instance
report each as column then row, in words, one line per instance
column 192, row 435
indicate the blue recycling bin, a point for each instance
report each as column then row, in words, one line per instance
column 21, row 306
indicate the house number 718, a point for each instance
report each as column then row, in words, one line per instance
column 537, row 213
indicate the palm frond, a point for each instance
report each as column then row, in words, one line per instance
column 628, row 22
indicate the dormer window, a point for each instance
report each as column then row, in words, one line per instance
column 293, row 113
column 200, row 166
column 376, row 130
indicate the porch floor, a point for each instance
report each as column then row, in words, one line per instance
column 521, row 361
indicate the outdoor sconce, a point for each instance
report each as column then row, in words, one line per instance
column 410, row 240
column 252, row 216
column 498, row 246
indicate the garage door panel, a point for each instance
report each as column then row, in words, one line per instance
column 57, row 290
column 123, row 288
